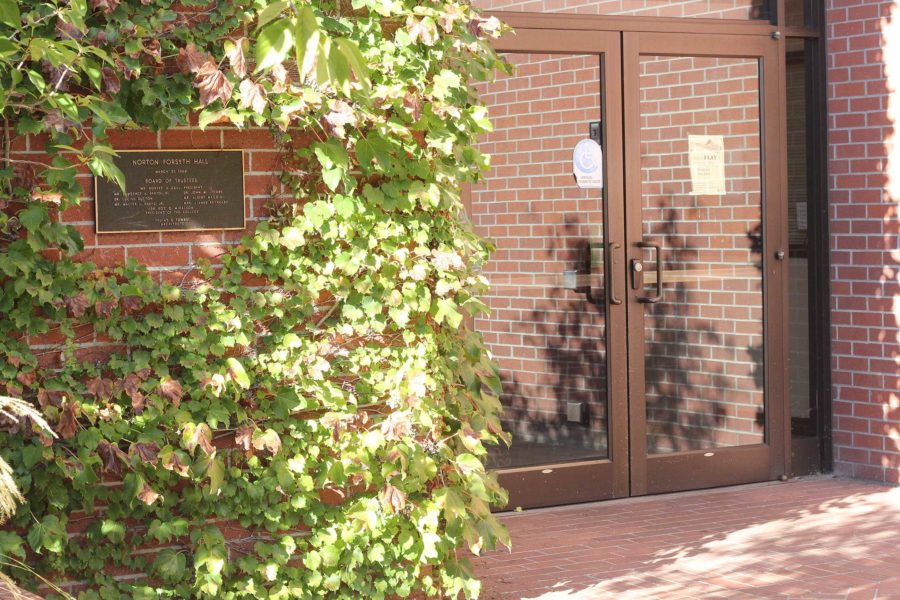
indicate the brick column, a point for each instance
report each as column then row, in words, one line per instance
column 864, row 182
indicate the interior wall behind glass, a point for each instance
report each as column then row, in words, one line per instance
column 799, row 211
column 710, row 9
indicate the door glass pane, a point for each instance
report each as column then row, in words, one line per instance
column 794, row 13
column 709, row 9
column 547, row 323
column 701, row 202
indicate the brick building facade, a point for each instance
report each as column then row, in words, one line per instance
column 863, row 78
column 704, row 374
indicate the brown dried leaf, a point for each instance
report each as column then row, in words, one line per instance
column 138, row 403
column 27, row 379
column 171, row 390
column 190, row 59
column 174, row 463
column 450, row 13
column 100, row 388
column 129, row 73
column 396, row 426
column 147, row 453
column 144, row 374
column 47, row 398
column 147, row 495
column 234, row 50
column 112, row 457
column 268, row 440
column 212, row 84
column 106, row 307
column 105, row 6
column 65, row 30
column 215, row 382
column 67, row 426
column 253, row 96
column 243, row 437
column 77, row 304
column 131, row 304
column 111, row 83
column 131, row 385
column 199, row 435
column 152, row 49
column 392, row 499
column 423, row 30
column 280, row 77
column 413, row 105
column 340, row 116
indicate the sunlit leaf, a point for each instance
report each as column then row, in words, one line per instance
column 273, row 44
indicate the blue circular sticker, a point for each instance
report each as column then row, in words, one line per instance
column 587, row 156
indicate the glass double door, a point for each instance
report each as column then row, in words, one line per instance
column 636, row 308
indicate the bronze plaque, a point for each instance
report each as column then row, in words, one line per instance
column 173, row 190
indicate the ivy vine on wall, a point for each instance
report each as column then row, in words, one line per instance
column 318, row 391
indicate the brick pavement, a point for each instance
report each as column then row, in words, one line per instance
column 819, row 538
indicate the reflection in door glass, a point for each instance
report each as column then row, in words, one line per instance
column 701, row 202
column 547, row 323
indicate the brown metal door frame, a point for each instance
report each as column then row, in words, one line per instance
column 620, row 41
column 586, row 481
column 572, row 22
column 727, row 466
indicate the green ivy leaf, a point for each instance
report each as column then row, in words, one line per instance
column 271, row 11
column 49, row 533
column 11, row 544
column 273, row 44
column 237, row 372
column 113, row 530
column 170, row 565
column 133, row 484
column 9, row 13
column 308, row 38
column 33, row 217
column 215, row 470
column 355, row 59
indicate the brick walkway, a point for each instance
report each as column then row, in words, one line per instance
column 813, row 538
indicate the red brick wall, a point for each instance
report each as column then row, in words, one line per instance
column 864, row 173
column 723, row 9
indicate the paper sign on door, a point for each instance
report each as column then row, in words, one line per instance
column 707, row 158
column 587, row 164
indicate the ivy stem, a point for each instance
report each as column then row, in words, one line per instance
column 7, row 145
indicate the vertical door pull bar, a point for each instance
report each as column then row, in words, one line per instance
column 613, row 299
column 659, row 274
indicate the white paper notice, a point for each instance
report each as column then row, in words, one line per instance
column 707, row 157
column 587, row 164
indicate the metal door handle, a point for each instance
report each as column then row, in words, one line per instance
column 612, row 276
column 659, row 274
